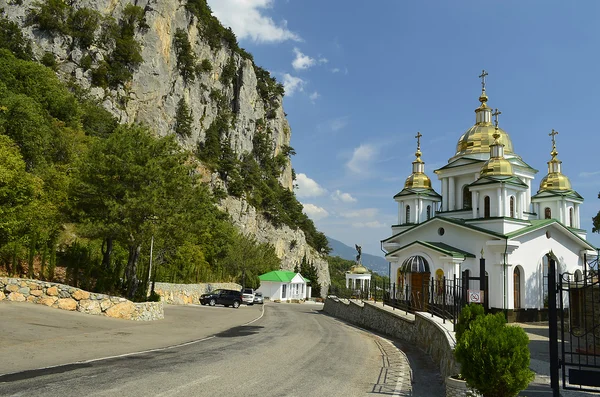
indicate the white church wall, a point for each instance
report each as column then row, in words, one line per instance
column 534, row 246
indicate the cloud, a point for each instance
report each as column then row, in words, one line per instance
column 588, row 174
column 362, row 213
column 308, row 187
column 344, row 197
column 315, row 212
column 369, row 225
column 302, row 61
column 335, row 70
column 314, row 96
column 246, row 19
column 361, row 157
column 292, row 84
column 339, row 123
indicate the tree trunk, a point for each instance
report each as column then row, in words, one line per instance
column 131, row 271
column 107, row 248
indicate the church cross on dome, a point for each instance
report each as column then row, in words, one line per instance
column 496, row 114
column 482, row 77
column 418, row 136
column 553, row 134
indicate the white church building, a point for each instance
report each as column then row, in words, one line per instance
column 490, row 205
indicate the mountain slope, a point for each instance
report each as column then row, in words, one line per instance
column 371, row 262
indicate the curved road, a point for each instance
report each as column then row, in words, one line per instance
column 292, row 350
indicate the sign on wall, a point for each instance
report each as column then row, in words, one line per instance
column 475, row 296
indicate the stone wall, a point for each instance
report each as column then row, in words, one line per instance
column 420, row 329
column 65, row 297
column 185, row 294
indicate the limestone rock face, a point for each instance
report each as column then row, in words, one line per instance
column 153, row 94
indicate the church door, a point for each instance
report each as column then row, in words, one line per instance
column 517, row 287
column 419, row 285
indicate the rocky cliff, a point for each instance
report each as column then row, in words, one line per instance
column 156, row 88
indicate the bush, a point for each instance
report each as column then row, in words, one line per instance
column 467, row 315
column 49, row 60
column 153, row 297
column 494, row 357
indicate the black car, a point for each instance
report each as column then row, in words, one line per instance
column 225, row 297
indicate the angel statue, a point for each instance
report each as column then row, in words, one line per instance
column 359, row 250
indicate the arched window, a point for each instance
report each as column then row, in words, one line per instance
column 466, row 198
column 547, row 213
column 486, row 207
column 428, row 212
column 407, row 219
column 517, row 287
column 512, row 207
column 571, row 217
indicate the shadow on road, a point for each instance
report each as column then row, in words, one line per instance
column 244, row 330
column 41, row 372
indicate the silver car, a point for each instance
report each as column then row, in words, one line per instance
column 248, row 296
column 258, row 298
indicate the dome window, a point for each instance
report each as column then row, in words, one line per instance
column 547, row 213
column 486, row 207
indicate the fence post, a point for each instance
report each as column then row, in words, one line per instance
column 553, row 326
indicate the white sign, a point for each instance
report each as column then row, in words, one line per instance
column 475, row 296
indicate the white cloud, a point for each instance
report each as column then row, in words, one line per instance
column 344, row 197
column 588, row 174
column 323, row 60
column 292, row 84
column 362, row 213
column 246, row 19
column 369, row 225
column 335, row 70
column 302, row 61
column 308, row 187
column 339, row 123
column 361, row 157
column 314, row 96
column 315, row 212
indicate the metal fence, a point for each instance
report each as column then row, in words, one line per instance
column 440, row 297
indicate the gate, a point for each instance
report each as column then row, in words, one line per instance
column 575, row 316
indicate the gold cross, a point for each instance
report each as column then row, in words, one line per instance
column 418, row 136
column 496, row 114
column 553, row 134
column 482, row 77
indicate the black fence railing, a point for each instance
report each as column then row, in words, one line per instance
column 443, row 297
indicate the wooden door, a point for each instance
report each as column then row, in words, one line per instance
column 419, row 285
column 517, row 288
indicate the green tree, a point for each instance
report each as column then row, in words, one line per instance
column 596, row 221
column 494, row 357
column 12, row 39
column 82, row 25
column 183, row 119
column 50, row 16
column 125, row 183
column 186, row 58
column 309, row 271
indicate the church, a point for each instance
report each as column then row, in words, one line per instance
column 486, row 209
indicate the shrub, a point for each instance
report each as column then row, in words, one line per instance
column 153, row 297
column 186, row 59
column 467, row 315
column 183, row 120
column 205, row 66
column 12, row 39
column 494, row 357
column 49, row 60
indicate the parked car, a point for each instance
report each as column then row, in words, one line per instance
column 258, row 298
column 225, row 297
column 248, row 296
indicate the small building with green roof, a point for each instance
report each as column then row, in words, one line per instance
column 284, row 286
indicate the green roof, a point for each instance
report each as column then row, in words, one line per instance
column 280, row 276
column 440, row 247
column 511, row 180
column 419, row 192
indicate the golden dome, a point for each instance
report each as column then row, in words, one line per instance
column 497, row 167
column 555, row 181
column 479, row 138
column 358, row 269
column 418, row 180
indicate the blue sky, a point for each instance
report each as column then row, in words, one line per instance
column 363, row 77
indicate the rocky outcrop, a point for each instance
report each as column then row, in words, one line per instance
column 152, row 97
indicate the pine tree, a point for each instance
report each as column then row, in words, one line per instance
column 183, row 119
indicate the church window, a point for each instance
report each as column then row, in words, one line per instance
column 486, row 207
column 466, row 198
column 571, row 217
column 407, row 220
column 428, row 212
column 512, row 207
column 547, row 213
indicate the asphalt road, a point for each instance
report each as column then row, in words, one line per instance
column 292, row 350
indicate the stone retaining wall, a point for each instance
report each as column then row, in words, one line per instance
column 420, row 329
column 65, row 297
column 186, row 294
